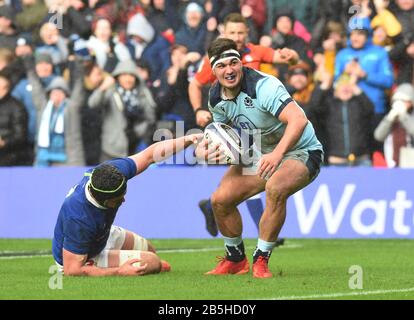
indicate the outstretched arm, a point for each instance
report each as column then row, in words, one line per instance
column 163, row 150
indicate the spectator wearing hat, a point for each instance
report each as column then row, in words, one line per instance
column 396, row 129
column 13, row 128
column 59, row 138
column 193, row 33
column 8, row 33
column 369, row 64
column 145, row 44
column 24, row 45
column 43, row 66
column 128, row 111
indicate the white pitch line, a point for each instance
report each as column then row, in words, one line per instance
column 286, row 246
column 25, row 257
column 343, row 294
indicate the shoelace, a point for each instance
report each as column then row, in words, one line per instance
column 220, row 259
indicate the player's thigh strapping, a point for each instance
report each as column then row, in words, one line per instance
column 109, row 256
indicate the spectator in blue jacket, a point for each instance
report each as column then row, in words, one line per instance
column 368, row 63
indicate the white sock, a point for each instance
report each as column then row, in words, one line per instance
column 265, row 246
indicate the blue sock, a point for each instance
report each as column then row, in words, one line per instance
column 255, row 207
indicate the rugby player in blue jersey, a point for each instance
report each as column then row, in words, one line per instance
column 287, row 158
column 85, row 241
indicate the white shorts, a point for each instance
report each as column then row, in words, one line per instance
column 115, row 241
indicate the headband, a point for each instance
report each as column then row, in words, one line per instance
column 102, row 195
column 214, row 60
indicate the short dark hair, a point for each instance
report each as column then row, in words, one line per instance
column 235, row 17
column 220, row 45
column 107, row 182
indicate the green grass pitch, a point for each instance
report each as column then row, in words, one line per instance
column 302, row 268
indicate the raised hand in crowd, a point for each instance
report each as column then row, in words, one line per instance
column 353, row 68
column 246, row 11
column 288, row 56
column 107, row 83
column 211, row 24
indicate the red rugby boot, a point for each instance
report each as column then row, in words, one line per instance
column 261, row 268
column 226, row 266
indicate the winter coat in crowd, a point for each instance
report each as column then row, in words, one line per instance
column 376, row 64
column 71, row 122
column 13, row 130
column 128, row 115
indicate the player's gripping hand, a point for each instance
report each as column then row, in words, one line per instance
column 209, row 153
column 268, row 164
column 128, row 268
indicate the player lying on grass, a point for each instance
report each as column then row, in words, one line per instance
column 287, row 159
column 85, row 241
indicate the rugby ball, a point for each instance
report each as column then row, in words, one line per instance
column 227, row 138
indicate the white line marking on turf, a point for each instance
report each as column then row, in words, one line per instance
column 343, row 294
column 20, row 256
column 25, row 257
column 286, row 246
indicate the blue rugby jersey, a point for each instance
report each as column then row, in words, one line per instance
column 81, row 227
column 258, row 105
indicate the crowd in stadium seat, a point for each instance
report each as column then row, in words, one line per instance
column 82, row 81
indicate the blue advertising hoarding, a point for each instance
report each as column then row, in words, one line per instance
column 162, row 203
